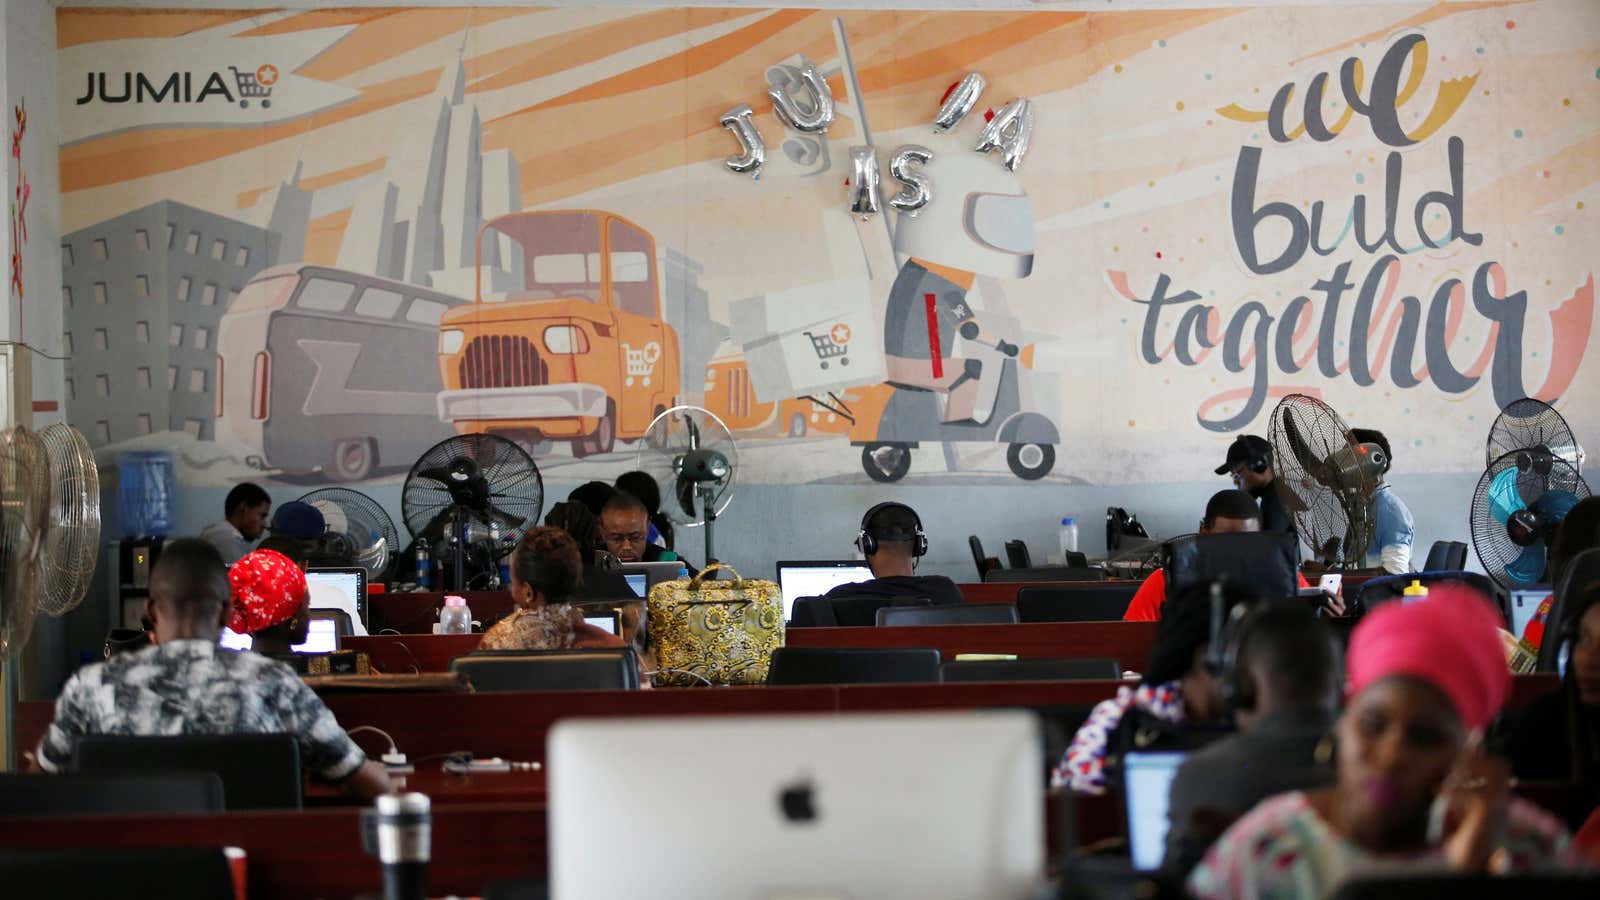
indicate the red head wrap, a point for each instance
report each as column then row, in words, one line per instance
column 267, row 588
column 1450, row 640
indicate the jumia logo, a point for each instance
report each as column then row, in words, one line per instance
column 179, row 87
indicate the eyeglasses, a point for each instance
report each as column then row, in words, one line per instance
column 631, row 537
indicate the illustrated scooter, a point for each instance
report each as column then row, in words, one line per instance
column 908, row 416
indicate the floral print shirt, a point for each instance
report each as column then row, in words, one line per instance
column 1082, row 767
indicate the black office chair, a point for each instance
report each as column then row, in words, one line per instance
column 949, row 614
column 1017, row 555
column 258, row 771
column 846, row 612
column 342, row 624
column 985, row 564
column 1266, row 562
column 1076, row 560
column 170, row 873
column 1446, row 556
column 841, row 665
column 102, row 795
column 1087, row 668
column 1480, row 887
column 1375, row 592
column 1580, row 571
column 1100, row 601
column 1046, row 573
column 497, row 671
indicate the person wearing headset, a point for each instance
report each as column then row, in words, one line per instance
column 892, row 540
column 1394, row 530
column 1249, row 463
column 1278, row 670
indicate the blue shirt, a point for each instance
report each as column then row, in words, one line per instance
column 1394, row 530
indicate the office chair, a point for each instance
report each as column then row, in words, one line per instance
column 1076, row 560
column 949, row 614
column 103, row 795
column 258, row 771
column 1583, row 569
column 1046, row 573
column 846, row 612
column 498, row 671
column 1266, row 562
column 1087, row 668
column 171, row 873
column 985, row 564
column 1375, row 592
column 342, row 625
column 1104, row 601
column 840, row 665
column 1017, row 555
column 1446, row 556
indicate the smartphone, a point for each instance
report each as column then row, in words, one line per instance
column 1330, row 584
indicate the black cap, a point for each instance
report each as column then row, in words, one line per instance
column 1246, row 447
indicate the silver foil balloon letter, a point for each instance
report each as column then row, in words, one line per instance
column 753, row 150
column 960, row 101
column 865, row 199
column 820, row 101
column 915, row 187
column 1009, row 132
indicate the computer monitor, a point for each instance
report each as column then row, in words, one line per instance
column 654, row 572
column 1524, row 604
column 815, row 577
column 340, row 587
column 639, row 583
column 607, row 622
column 800, row 806
column 321, row 637
column 1147, row 787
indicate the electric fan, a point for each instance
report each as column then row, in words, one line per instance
column 1325, row 479
column 24, row 505
column 72, row 537
column 691, row 454
column 1518, row 503
column 471, row 496
column 358, row 528
column 1535, row 426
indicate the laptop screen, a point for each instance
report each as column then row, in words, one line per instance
column 813, row 579
column 321, row 637
column 1524, row 604
column 606, row 623
column 637, row 582
column 340, row 589
column 1148, row 786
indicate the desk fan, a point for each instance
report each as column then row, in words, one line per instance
column 1521, row 498
column 1325, row 479
column 692, row 455
column 1535, row 426
column 358, row 528
column 472, row 496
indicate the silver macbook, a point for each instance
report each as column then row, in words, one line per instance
column 813, row 578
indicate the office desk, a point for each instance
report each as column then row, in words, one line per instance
column 1127, row 642
column 446, row 788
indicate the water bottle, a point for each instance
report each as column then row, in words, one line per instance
column 404, row 826
column 683, row 571
column 455, row 618
column 424, row 567
column 1069, row 537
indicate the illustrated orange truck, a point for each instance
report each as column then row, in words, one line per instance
column 731, row 394
column 573, row 347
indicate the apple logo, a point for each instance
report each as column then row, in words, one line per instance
column 798, row 803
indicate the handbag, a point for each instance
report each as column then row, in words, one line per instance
column 714, row 632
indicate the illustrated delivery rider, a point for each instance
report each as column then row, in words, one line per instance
column 978, row 222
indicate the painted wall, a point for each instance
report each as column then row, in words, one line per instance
column 1196, row 251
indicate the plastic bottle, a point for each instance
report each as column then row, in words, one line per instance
column 1416, row 591
column 424, row 567
column 1069, row 537
column 683, row 571
column 455, row 618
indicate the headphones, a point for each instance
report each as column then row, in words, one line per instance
column 867, row 542
column 1230, row 625
column 1260, row 464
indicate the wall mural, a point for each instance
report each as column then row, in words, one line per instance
column 305, row 246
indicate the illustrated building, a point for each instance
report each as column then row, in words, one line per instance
column 143, row 295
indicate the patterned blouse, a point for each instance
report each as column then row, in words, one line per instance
column 1284, row 849
column 1082, row 767
column 196, row 687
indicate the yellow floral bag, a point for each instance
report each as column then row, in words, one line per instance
column 721, row 632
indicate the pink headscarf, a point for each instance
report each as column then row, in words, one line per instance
column 1450, row 640
column 267, row 589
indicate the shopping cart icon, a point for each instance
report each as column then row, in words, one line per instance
column 831, row 345
column 641, row 362
column 256, row 85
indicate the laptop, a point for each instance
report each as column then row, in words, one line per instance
column 801, row 806
column 322, row 633
column 1147, row 788
column 815, row 577
column 340, row 587
column 638, row 582
column 1524, row 605
column 607, row 622
column 654, row 573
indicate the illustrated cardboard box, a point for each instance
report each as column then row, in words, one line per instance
column 806, row 341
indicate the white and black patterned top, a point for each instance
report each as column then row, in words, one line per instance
column 197, row 687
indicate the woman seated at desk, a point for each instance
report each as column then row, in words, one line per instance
column 546, row 571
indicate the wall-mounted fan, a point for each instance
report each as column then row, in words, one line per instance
column 1519, row 501
column 1325, row 479
column 358, row 528
column 1535, row 426
column 691, row 454
column 468, row 499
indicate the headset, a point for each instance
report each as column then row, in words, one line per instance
column 1259, row 463
column 867, row 542
column 1230, row 625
